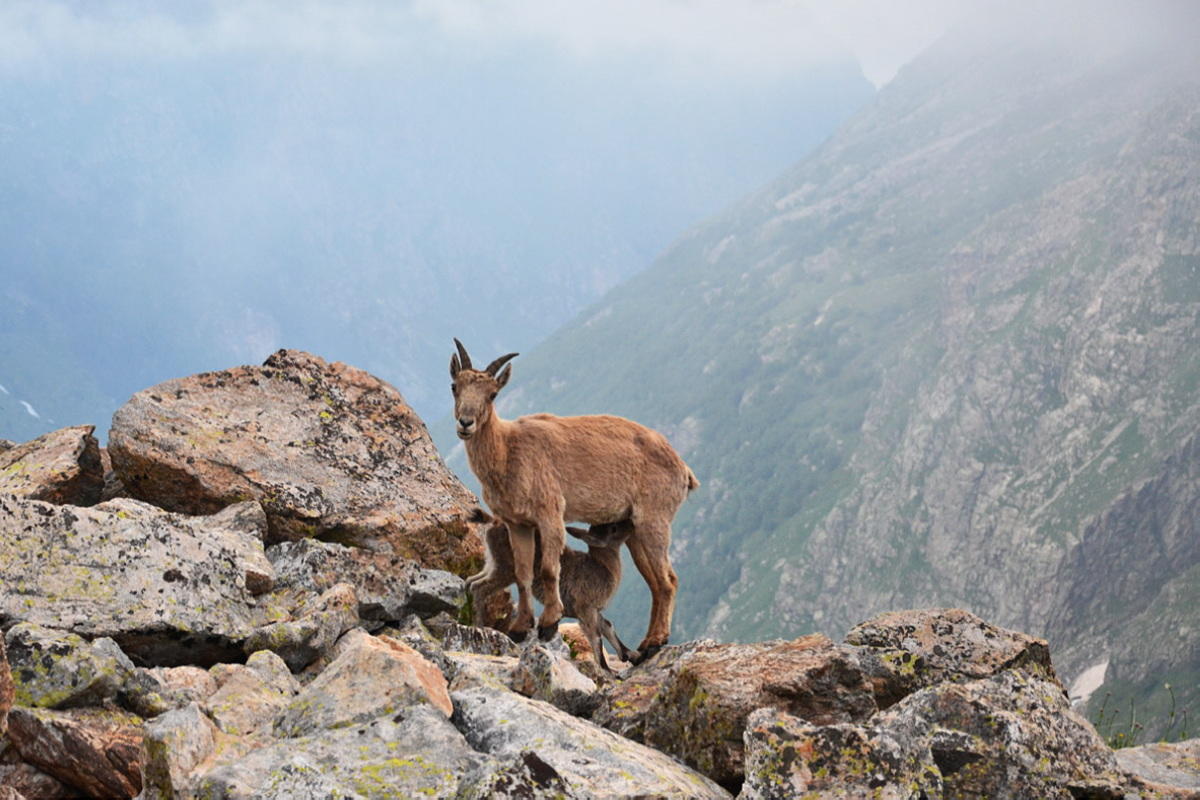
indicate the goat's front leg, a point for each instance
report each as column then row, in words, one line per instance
column 553, row 540
column 524, row 547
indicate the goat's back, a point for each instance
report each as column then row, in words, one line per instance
column 604, row 465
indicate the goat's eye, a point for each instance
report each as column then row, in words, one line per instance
column 491, row 397
column 453, row 390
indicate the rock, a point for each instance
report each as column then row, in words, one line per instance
column 524, row 775
column 176, row 687
column 7, row 444
column 62, row 466
column 174, row 745
column 692, row 701
column 28, row 782
column 412, row 752
column 55, row 669
column 95, row 751
column 1014, row 735
column 368, row 677
column 484, row 641
column 113, row 488
column 903, row 651
column 1011, row 735
column 389, row 587
column 594, row 762
column 302, row 641
column 329, row 450
column 250, row 696
column 550, row 676
column 169, row 589
column 466, row 670
column 1163, row 766
column 7, row 690
column 787, row 757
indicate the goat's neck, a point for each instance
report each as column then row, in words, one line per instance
column 487, row 451
column 608, row 557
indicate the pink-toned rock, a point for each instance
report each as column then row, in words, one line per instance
column 692, row 700
column 99, row 752
column 369, row 676
column 61, row 467
column 329, row 450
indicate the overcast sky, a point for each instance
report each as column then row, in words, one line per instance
column 765, row 38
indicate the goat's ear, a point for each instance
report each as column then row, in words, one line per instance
column 454, row 366
column 503, row 377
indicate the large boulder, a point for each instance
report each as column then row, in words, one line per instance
column 693, row 700
column 412, row 752
column 97, row 751
column 593, row 761
column 388, row 587
column 903, row 651
column 168, row 588
column 1167, row 769
column 1010, row 736
column 312, row 632
column 62, row 466
column 329, row 450
column 886, row 759
column 369, row 677
column 57, row 669
column 250, row 695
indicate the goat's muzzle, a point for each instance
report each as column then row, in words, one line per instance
column 465, row 429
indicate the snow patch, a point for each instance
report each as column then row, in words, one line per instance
column 1088, row 682
column 2, row 389
column 29, row 408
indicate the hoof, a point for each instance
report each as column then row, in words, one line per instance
column 547, row 632
column 518, row 636
column 645, row 653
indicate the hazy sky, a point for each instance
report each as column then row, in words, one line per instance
column 762, row 37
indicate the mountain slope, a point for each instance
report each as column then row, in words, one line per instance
column 950, row 358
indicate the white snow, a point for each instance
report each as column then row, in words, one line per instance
column 2, row 389
column 29, row 408
column 1088, row 681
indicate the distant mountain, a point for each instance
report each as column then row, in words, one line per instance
column 952, row 357
column 168, row 215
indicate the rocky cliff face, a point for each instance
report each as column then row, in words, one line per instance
column 950, row 359
column 154, row 654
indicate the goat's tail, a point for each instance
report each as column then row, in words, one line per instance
column 693, row 483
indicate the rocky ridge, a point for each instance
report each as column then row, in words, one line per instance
column 155, row 654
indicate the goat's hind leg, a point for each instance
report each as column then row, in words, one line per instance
column 609, row 632
column 650, row 548
column 590, row 622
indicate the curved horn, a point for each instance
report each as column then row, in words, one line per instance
column 462, row 354
column 499, row 362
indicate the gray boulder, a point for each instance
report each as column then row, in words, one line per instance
column 56, row 669
column 62, row 466
column 413, row 751
column 169, row 589
column 329, row 451
column 593, row 761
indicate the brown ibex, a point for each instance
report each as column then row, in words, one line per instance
column 539, row 470
column 586, row 581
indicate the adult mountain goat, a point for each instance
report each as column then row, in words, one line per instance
column 539, row 471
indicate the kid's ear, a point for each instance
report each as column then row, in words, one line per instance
column 503, row 377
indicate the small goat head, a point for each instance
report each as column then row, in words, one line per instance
column 474, row 390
